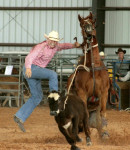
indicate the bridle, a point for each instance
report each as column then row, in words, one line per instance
column 88, row 28
column 88, row 47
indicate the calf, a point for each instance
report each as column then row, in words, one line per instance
column 69, row 115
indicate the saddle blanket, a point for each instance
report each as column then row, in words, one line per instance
column 93, row 99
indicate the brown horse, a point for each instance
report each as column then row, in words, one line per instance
column 91, row 86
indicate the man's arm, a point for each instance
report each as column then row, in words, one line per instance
column 68, row 45
column 125, row 78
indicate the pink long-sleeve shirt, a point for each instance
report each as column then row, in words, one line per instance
column 42, row 54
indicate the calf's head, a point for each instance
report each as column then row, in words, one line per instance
column 53, row 99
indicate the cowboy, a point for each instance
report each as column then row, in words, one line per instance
column 121, row 66
column 120, row 54
column 102, row 56
column 35, row 70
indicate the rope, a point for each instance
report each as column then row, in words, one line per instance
column 93, row 69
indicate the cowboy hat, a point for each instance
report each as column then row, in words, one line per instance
column 120, row 50
column 53, row 35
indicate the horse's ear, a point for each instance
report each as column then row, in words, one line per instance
column 91, row 15
column 94, row 20
column 79, row 17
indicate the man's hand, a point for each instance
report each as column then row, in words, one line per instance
column 76, row 45
column 28, row 72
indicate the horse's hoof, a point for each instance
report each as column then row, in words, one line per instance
column 88, row 142
column 105, row 135
column 78, row 139
column 73, row 147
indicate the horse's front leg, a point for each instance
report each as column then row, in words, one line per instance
column 83, row 95
column 103, row 102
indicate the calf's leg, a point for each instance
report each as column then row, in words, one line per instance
column 78, row 139
column 69, row 139
column 75, row 129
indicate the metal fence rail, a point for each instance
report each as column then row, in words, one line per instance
column 10, row 84
column 64, row 65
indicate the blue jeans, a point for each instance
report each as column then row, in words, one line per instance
column 34, row 83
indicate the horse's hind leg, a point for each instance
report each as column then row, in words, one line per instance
column 98, row 122
column 103, row 102
column 95, row 120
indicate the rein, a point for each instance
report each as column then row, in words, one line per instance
column 92, row 47
column 92, row 59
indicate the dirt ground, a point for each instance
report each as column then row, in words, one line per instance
column 42, row 132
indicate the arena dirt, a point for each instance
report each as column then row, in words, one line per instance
column 42, row 132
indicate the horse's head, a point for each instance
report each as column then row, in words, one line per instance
column 87, row 25
column 56, row 105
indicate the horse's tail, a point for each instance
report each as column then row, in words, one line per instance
column 112, row 92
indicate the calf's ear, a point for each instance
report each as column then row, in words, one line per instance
column 63, row 93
